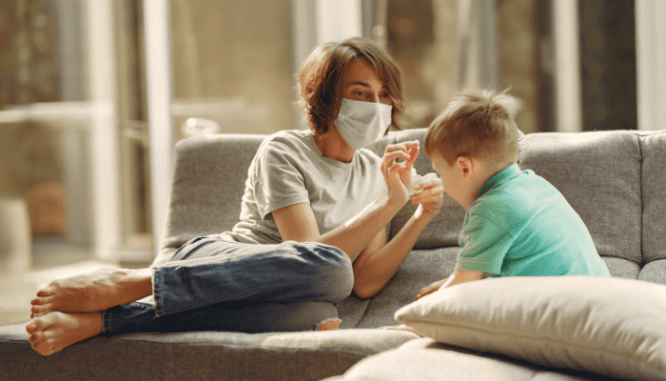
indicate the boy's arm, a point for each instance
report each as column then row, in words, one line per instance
column 458, row 276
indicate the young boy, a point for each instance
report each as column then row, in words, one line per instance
column 517, row 224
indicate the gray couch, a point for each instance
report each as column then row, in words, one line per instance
column 616, row 181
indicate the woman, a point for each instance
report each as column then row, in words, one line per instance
column 301, row 246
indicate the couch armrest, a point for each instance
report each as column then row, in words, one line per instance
column 208, row 183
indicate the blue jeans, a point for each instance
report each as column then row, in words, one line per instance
column 212, row 284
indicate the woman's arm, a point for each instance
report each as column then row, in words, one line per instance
column 298, row 223
column 366, row 232
column 356, row 234
column 377, row 264
column 379, row 260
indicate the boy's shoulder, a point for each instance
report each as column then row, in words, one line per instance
column 513, row 195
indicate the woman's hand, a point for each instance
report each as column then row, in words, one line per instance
column 397, row 175
column 430, row 197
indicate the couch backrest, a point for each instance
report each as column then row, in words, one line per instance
column 207, row 187
column 616, row 181
column 599, row 173
column 209, row 179
column 653, row 147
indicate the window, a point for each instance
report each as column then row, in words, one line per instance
column 78, row 147
column 232, row 65
column 45, row 122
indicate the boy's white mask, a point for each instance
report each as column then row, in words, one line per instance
column 362, row 123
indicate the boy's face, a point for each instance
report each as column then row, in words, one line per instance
column 465, row 178
column 452, row 176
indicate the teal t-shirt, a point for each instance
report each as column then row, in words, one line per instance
column 521, row 225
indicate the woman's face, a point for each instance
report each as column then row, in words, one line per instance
column 362, row 83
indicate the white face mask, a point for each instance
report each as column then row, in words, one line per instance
column 362, row 123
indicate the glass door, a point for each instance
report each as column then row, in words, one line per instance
column 46, row 119
column 232, row 66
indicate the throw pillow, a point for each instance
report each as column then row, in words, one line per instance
column 610, row 326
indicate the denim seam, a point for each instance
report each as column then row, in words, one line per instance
column 194, row 249
column 157, row 293
column 106, row 322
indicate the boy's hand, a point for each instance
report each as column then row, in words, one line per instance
column 457, row 277
column 398, row 175
column 430, row 289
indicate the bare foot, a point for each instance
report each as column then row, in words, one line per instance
column 329, row 325
column 96, row 291
column 55, row 331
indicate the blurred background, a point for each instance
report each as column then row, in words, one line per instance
column 95, row 93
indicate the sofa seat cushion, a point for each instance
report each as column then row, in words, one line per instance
column 421, row 268
column 609, row 326
column 426, row 360
column 655, row 272
column 622, row 268
column 208, row 355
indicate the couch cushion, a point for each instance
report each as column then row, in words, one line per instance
column 427, row 360
column 622, row 268
column 208, row 355
column 421, row 268
column 654, row 271
column 207, row 187
column 610, row 326
column 654, row 196
column 599, row 173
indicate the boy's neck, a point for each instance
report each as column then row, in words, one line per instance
column 484, row 171
column 498, row 169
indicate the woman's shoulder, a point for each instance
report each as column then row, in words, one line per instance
column 286, row 140
column 289, row 136
column 368, row 156
column 295, row 147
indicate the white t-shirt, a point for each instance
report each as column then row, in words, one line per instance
column 289, row 169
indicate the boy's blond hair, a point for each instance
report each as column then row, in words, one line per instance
column 478, row 124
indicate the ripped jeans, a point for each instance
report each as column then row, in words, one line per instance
column 213, row 284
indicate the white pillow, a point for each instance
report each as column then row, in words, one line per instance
column 611, row 326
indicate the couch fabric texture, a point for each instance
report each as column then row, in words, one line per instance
column 615, row 180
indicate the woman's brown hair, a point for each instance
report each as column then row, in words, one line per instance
column 322, row 74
